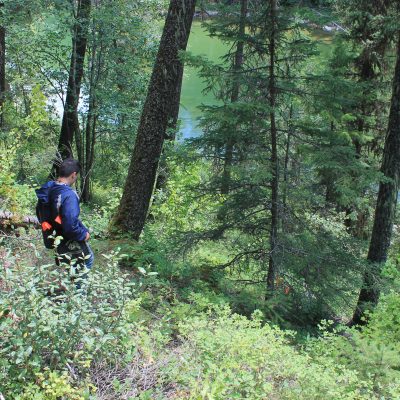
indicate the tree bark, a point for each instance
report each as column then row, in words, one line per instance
column 89, row 135
column 237, row 66
column 2, row 70
column 79, row 41
column 286, row 164
column 161, row 100
column 385, row 206
column 271, row 275
column 90, row 139
column 171, row 131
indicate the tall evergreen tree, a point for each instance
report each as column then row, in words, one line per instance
column 236, row 71
column 161, row 102
column 253, row 126
column 371, row 39
column 386, row 203
column 272, row 93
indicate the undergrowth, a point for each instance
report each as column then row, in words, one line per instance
column 134, row 335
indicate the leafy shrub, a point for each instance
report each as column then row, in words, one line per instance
column 23, row 148
column 52, row 385
column 227, row 356
column 48, row 324
column 374, row 350
column 364, row 352
column 105, row 342
column 104, row 204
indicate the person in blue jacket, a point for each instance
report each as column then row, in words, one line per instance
column 63, row 202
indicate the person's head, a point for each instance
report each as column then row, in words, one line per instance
column 68, row 171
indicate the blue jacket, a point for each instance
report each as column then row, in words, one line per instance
column 64, row 201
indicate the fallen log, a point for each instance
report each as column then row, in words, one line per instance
column 9, row 221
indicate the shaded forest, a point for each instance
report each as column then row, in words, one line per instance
column 251, row 255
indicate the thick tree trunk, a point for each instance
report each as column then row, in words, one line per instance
column 271, row 276
column 2, row 70
column 385, row 206
column 237, row 66
column 172, row 125
column 156, row 115
column 79, row 40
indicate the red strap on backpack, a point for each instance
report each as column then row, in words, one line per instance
column 46, row 226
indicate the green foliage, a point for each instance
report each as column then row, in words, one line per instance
column 314, row 249
column 48, row 324
column 122, row 43
column 23, row 147
column 373, row 351
column 184, row 341
column 229, row 356
column 185, row 313
column 365, row 351
column 121, row 46
column 175, row 209
column 98, row 215
column 52, row 386
column 34, row 134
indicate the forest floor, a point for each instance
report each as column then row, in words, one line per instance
column 151, row 343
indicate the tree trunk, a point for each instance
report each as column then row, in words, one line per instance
column 161, row 99
column 162, row 175
column 79, row 40
column 2, row 70
column 237, row 66
column 90, row 139
column 385, row 206
column 286, row 164
column 274, row 152
column 89, row 136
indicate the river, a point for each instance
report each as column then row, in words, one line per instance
column 192, row 97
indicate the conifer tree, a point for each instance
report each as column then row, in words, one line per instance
column 272, row 89
column 237, row 66
column 386, row 204
column 371, row 39
column 250, row 126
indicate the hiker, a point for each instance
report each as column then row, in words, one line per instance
column 58, row 212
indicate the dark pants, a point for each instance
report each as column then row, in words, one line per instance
column 78, row 255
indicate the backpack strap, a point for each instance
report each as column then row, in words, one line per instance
column 58, row 219
column 46, row 226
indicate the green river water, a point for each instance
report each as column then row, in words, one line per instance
column 192, row 97
column 199, row 44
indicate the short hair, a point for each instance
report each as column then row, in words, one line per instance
column 67, row 167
